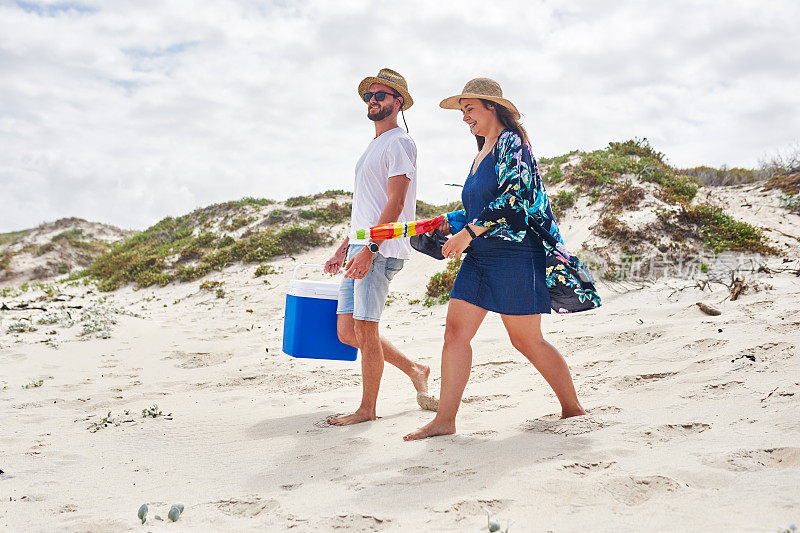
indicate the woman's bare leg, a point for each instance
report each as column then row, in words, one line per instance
column 526, row 335
column 463, row 320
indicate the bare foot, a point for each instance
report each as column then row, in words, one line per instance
column 426, row 401
column 356, row 418
column 433, row 429
column 578, row 411
column 419, row 377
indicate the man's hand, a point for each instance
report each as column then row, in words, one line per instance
column 456, row 244
column 334, row 264
column 359, row 265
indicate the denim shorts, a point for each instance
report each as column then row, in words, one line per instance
column 366, row 297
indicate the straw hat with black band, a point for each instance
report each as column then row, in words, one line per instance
column 392, row 79
column 484, row 88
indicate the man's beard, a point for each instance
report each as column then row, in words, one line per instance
column 380, row 114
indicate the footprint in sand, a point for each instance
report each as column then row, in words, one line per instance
column 190, row 360
column 626, row 382
column 483, row 433
column 788, row 327
column 759, row 459
column 351, row 522
column 635, row 490
column 714, row 390
column 489, row 402
column 671, row 431
column 588, row 467
column 485, row 371
column 418, row 470
column 568, row 427
column 770, row 351
column 703, row 345
column 635, row 338
column 247, row 507
column 467, row 509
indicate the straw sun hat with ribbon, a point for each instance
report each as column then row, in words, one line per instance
column 392, row 79
column 484, row 88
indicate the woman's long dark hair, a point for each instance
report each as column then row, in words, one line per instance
column 507, row 119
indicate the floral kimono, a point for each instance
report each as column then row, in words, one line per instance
column 523, row 206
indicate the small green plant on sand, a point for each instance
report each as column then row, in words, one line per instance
column 264, row 270
column 220, row 293
column 142, row 513
column 441, row 283
column 154, row 412
column 23, row 326
column 33, row 384
column 210, row 285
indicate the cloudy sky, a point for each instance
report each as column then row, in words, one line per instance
column 127, row 111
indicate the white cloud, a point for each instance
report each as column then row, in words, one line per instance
column 126, row 112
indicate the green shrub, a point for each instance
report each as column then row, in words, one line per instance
column 791, row 202
column 237, row 223
column 227, row 240
column 193, row 272
column 553, row 174
column 557, row 160
column 264, row 270
column 147, row 257
column 636, row 147
column 441, row 283
column 297, row 201
column 249, row 200
column 13, row 236
column 5, row 259
column 721, row 232
column 276, row 216
column 625, row 195
column 333, row 193
column 333, row 213
column 426, row 210
column 561, row 201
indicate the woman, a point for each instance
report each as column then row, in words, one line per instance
column 505, row 270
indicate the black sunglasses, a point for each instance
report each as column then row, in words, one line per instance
column 379, row 96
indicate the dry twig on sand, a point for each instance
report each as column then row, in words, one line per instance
column 708, row 310
column 737, row 287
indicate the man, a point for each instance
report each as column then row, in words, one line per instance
column 385, row 191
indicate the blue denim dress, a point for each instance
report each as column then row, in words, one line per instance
column 498, row 275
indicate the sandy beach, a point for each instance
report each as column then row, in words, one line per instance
column 692, row 419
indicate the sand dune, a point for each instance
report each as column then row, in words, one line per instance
column 692, row 419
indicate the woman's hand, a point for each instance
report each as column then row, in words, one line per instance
column 456, row 244
column 360, row 264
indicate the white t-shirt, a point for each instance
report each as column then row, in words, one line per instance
column 392, row 153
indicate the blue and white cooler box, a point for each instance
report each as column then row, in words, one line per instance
column 309, row 325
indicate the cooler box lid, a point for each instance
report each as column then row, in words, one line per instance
column 328, row 290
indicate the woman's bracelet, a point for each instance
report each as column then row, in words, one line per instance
column 469, row 230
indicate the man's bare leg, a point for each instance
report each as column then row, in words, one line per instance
column 417, row 372
column 369, row 343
